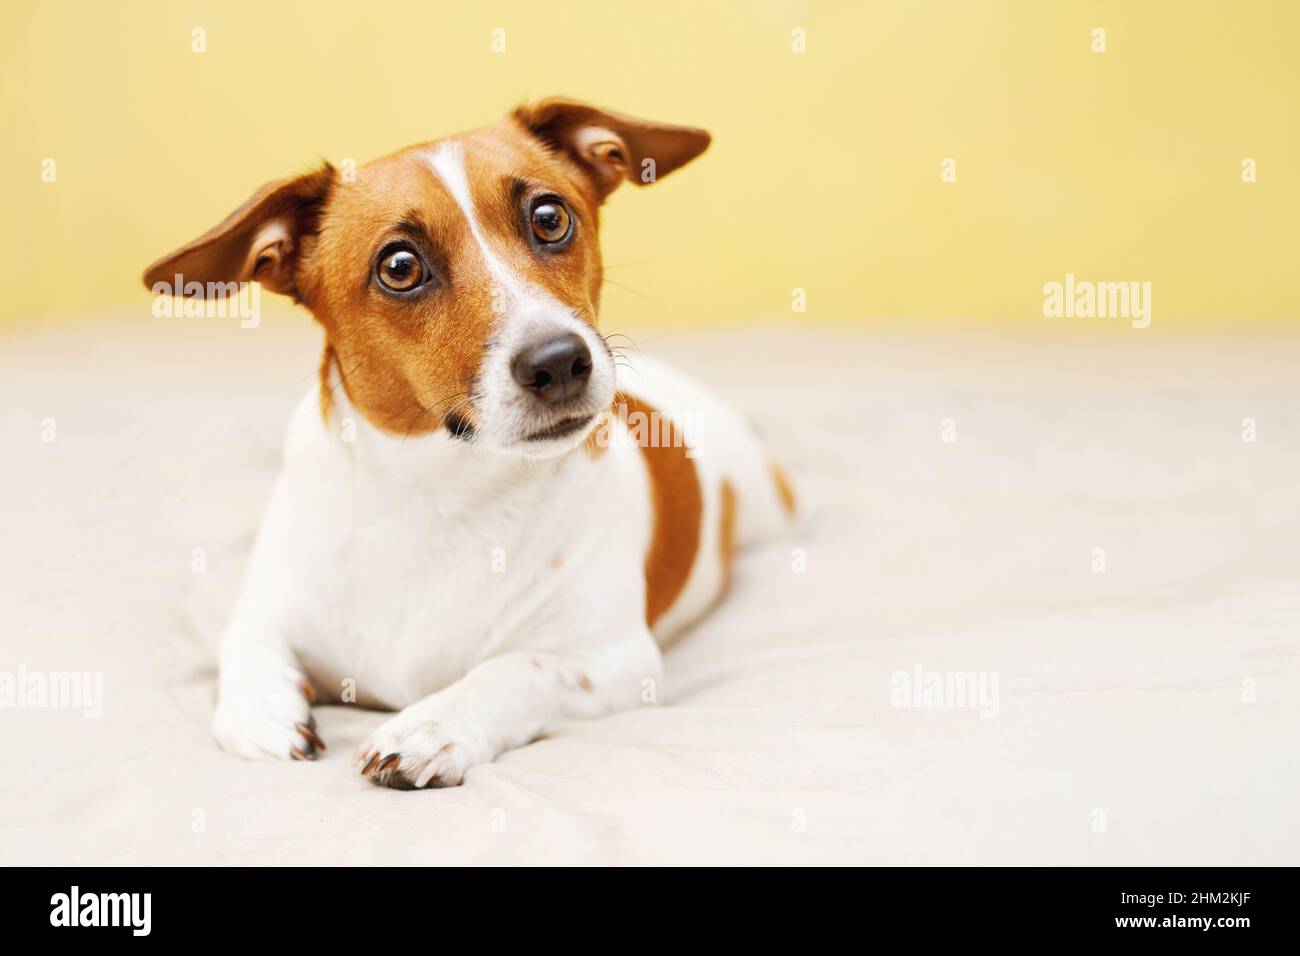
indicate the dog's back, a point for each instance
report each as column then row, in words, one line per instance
column 713, row 485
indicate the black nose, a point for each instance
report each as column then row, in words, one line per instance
column 555, row 369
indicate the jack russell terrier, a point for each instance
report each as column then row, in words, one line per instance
column 479, row 523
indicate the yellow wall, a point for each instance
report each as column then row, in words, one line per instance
column 825, row 169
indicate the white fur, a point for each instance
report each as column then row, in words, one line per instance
column 488, row 596
column 525, row 314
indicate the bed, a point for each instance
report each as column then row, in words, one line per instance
column 1098, row 524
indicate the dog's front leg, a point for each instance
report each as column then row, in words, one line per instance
column 502, row 703
column 263, row 699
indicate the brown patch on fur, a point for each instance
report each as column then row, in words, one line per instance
column 409, row 360
column 783, row 488
column 326, row 393
column 584, row 682
column 678, row 512
column 727, row 530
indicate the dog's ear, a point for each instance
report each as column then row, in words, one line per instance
column 259, row 240
column 610, row 146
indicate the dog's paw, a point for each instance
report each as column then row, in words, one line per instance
column 415, row 750
column 268, row 716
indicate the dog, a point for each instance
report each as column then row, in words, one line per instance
column 483, row 521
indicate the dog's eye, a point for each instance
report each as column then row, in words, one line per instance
column 551, row 221
column 400, row 269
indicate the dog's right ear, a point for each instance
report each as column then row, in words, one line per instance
column 259, row 240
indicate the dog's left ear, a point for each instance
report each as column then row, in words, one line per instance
column 610, row 146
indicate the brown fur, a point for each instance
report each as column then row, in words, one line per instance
column 727, row 530
column 783, row 489
column 678, row 514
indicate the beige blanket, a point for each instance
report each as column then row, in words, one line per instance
column 1070, row 634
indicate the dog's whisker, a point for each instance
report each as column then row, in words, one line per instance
column 460, row 397
column 344, row 375
column 621, row 335
column 639, row 294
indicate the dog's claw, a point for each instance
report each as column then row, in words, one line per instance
column 309, row 732
column 308, row 691
column 412, row 752
column 302, row 755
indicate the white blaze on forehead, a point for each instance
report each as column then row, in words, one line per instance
column 526, row 313
column 448, row 163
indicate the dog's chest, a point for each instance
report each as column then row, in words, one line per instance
column 415, row 589
column 411, row 598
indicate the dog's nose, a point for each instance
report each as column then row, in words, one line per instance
column 554, row 369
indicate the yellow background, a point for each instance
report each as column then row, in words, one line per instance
column 825, row 168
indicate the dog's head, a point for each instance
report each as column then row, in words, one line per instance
column 458, row 281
